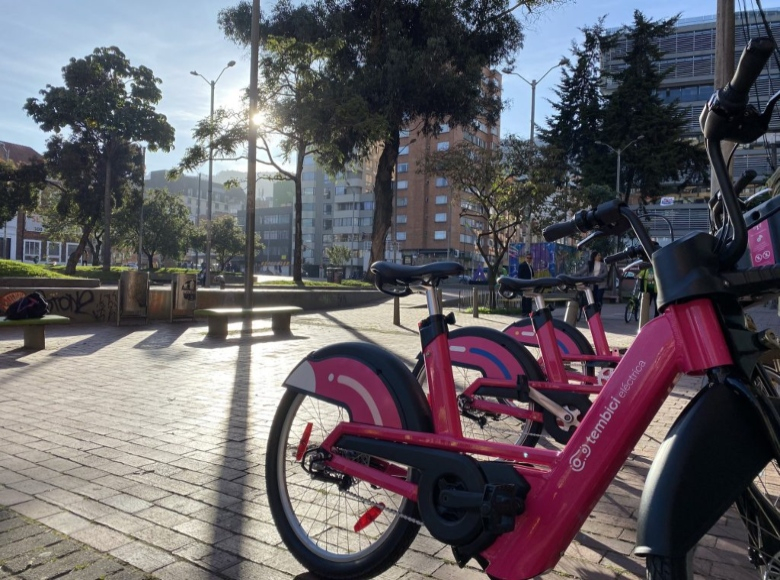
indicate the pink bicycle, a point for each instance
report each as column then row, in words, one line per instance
column 358, row 458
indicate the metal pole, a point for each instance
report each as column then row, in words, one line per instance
column 141, row 230
column 208, row 194
column 251, row 189
column 617, row 177
column 197, row 219
column 533, row 107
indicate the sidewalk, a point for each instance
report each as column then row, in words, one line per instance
column 138, row 452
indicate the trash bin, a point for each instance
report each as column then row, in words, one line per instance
column 338, row 276
column 183, row 296
column 133, row 295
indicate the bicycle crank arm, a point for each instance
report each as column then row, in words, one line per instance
column 566, row 417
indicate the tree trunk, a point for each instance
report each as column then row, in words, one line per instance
column 383, row 197
column 107, row 206
column 75, row 257
column 297, row 268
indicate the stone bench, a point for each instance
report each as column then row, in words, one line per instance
column 34, row 329
column 218, row 317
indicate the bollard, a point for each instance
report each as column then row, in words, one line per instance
column 644, row 309
column 572, row 307
column 475, row 302
column 397, row 311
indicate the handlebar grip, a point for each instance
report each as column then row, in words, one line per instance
column 751, row 63
column 627, row 254
column 561, row 230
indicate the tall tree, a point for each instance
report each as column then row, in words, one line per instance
column 167, row 226
column 496, row 195
column 579, row 111
column 80, row 172
column 229, row 239
column 635, row 109
column 105, row 104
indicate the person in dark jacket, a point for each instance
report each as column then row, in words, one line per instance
column 525, row 270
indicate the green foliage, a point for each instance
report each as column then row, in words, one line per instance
column 228, row 239
column 106, row 105
column 14, row 269
column 167, row 226
column 19, row 187
column 635, row 109
column 338, row 255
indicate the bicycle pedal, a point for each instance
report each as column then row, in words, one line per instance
column 500, row 506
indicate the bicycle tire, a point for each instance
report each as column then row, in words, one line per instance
column 629, row 311
column 297, row 501
column 486, row 426
column 765, row 555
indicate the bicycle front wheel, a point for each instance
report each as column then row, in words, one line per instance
column 316, row 510
column 629, row 311
column 759, row 510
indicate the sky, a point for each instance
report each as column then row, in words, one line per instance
column 174, row 37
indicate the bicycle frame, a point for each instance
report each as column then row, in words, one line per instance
column 566, row 484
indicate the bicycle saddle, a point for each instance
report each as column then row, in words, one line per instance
column 401, row 274
column 574, row 280
column 520, row 284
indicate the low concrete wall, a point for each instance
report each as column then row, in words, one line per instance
column 101, row 304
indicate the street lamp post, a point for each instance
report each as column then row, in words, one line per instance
column 618, row 152
column 212, row 84
column 533, row 83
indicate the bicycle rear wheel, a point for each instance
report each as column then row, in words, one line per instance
column 758, row 509
column 316, row 510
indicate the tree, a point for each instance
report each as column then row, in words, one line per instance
column 338, row 255
column 19, row 187
column 80, row 173
column 579, row 113
column 384, row 49
column 167, row 226
column 106, row 104
column 299, row 106
column 228, row 240
column 635, row 109
column 493, row 196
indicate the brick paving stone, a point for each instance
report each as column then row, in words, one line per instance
column 147, row 558
column 183, row 571
column 101, row 538
column 36, row 509
column 12, row 496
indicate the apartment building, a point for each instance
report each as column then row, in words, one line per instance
column 193, row 190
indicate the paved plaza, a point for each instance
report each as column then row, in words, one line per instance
column 138, row 452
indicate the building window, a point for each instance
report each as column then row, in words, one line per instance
column 403, row 184
column 403, row 150
column 341, row 190
column 443, row 146
column 403, row 168
column 445, row 128
column 307, row 222
column 32, row 251
column 441, row 200
column 308, row 191
column 53, row 250
column 441, row 182
column 440, row 235
column 440, row 217
column 403, row 133
column 400, row 236
column 402, row 202
column 400, row 219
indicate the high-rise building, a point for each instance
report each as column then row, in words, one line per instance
column 427, row 225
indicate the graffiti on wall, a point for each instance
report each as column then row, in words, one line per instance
column 83, row 303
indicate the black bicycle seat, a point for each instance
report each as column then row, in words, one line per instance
column 402, row 274
column 574, row 280
column 520, row 284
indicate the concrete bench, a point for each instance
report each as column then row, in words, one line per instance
column 218, row 317
column 34, row 329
